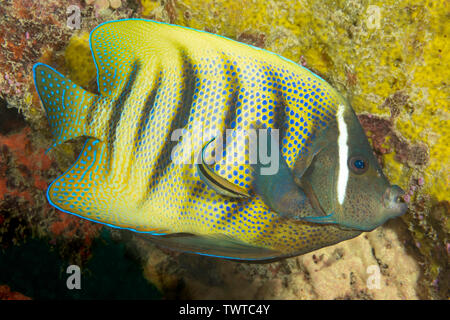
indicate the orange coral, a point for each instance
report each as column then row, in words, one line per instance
column 30, row 161
column 7, row 294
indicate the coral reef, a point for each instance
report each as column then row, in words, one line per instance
column 7, row 294
column 341, row 271
column 390, row 58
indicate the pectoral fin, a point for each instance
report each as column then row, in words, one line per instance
column 279, row 191
column 284, row 195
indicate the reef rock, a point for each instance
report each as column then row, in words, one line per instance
column 390, row 58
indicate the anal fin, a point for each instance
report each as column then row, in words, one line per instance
column 219, row 246
column 75, row 191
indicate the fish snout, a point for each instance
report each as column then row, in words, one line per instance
column 393, row 200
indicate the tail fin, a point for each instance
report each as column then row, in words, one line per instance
column 65, row 103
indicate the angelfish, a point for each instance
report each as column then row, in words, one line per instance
column 155, row 79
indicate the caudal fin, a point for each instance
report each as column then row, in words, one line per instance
column 65, row 103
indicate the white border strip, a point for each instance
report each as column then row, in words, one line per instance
column 343, row 154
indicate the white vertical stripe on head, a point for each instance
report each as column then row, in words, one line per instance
column 343, row 154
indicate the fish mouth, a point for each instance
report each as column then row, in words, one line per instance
column 312, row 197
column 394, row 202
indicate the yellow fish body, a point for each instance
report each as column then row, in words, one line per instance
column 134, row 172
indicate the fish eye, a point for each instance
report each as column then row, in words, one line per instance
column 358, row 164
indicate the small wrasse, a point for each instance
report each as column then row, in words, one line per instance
column 291, row 170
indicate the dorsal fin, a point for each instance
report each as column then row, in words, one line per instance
column 118, row 45
column 114, row 61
